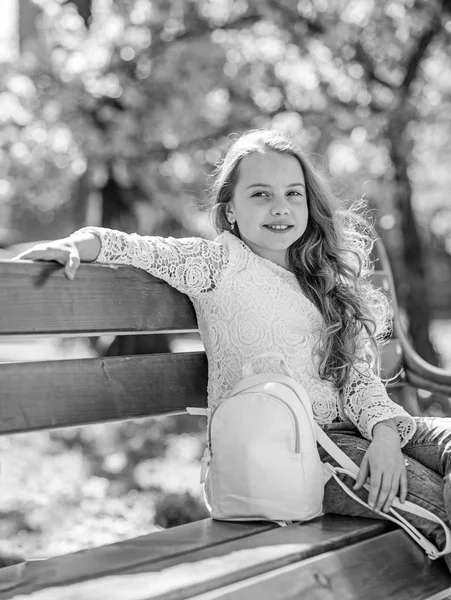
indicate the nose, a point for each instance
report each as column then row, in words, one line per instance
column 280, row 207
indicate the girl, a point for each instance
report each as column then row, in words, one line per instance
column 288, row 273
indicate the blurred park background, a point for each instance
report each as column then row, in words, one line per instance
column 113, row 113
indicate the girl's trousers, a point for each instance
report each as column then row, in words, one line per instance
column 428, row 455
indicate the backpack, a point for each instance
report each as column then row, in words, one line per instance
column 262, row 461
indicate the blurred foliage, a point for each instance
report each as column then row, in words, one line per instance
column 75, row 488
column 175, row 509
column 146, row 97
column 124, row 451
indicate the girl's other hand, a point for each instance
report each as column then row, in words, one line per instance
column 63, row 251
column 384, row 464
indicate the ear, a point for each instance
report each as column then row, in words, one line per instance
column 229, row 210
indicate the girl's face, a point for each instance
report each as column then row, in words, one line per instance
column 269, row 204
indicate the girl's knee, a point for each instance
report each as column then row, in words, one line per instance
column 431, row 431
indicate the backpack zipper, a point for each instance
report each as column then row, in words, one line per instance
column 297, row 446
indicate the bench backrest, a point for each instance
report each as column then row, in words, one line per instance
column 37, row 300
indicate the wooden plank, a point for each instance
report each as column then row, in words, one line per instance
column 41, row 395
column 433, row 381
column 173, row 544
column 193, row 558
column 300, row 541
column 390, row 566
column 419, row 373
column 36, row 298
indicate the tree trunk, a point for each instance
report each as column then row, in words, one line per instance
column 118, row 213
column 28, row 13
column 413, row 290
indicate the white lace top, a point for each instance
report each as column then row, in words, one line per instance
column 245, row 305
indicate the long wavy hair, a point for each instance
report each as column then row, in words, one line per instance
column 331, row 260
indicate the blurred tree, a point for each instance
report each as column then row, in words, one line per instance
column 28, row 13
column 84, row 8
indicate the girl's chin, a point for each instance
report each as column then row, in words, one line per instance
column 270, row 241
column 280, row 239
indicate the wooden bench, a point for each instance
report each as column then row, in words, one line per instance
column 330, row 557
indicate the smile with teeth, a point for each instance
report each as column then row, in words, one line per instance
column 278, row 226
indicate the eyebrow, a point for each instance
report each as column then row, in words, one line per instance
column 268, row 186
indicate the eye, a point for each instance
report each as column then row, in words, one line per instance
column 296, row 196
column 259, row 194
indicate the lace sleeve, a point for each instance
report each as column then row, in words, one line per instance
column 366, row 401
column 191, row 265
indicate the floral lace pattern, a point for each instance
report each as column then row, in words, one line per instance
column 367, row 403
column 191, row 265
column 247, row 305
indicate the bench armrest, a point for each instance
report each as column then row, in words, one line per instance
column 417, row 371
column 421, row 374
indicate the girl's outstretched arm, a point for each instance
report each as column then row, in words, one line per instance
column 191, row 265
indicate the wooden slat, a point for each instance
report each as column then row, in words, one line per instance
column 39, row 395
column 419, row 373
column 36, row 298
column 436, row 383
column 389, row 567
column 51, row 394
column 173, row 544
column 194, row 558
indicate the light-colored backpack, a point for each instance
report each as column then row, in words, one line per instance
column 262, row 461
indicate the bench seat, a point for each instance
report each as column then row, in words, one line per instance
column 329, row 557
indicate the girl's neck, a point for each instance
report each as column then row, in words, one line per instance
column 276, row 257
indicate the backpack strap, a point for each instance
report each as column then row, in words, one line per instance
column 198, row 412
column 333, row 450
column 351, row 469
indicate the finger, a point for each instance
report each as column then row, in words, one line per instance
column 391, row 496
column 72, row 265
column 375, row 485
column 403, row 486
column 362, row 474
column 384, row 491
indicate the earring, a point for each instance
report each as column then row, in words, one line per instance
column 232, row 223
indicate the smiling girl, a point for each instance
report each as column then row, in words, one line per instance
column 269, row 205
column 288, row 273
